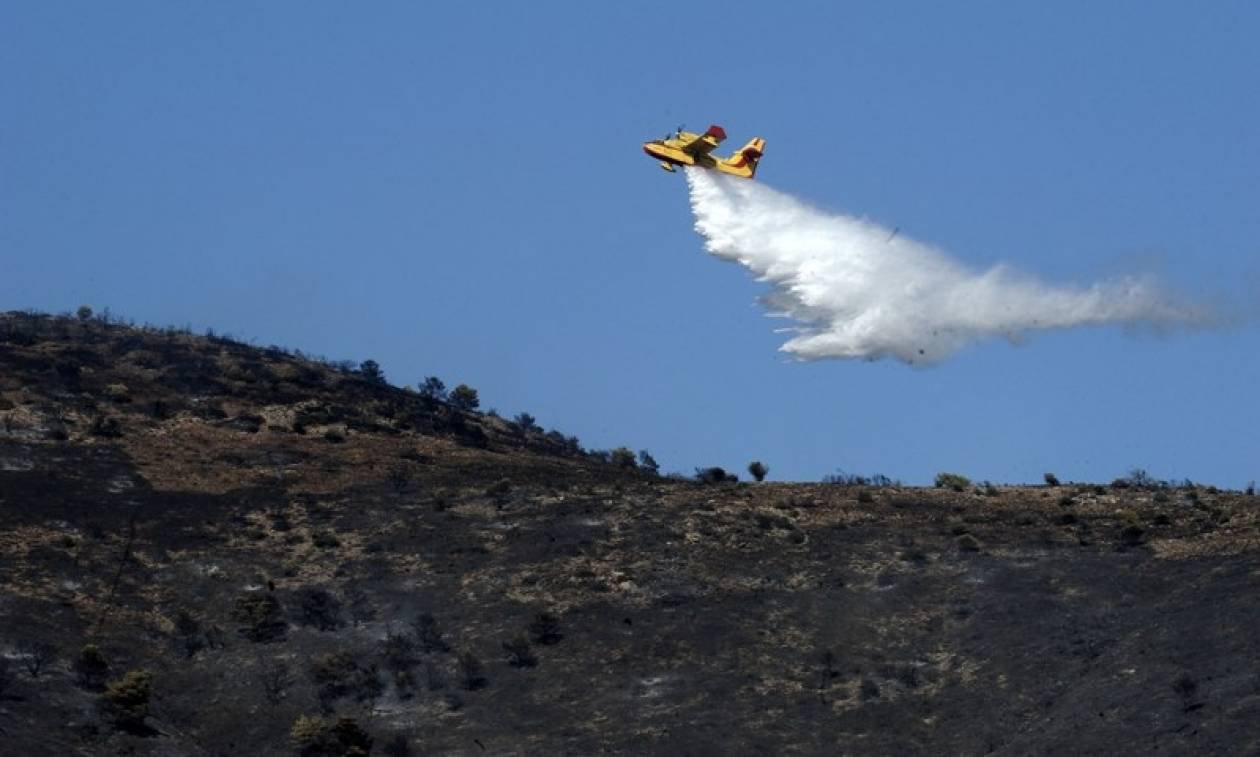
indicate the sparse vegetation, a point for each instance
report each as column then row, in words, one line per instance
column 676, row 598
column 1138, row 478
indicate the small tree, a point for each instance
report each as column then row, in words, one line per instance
column 432, row 388
column 371, row 370
column 648, row 463
column 1051, row 479
column 464, row 397
column 275, row 680
column 525, row 423
column 188, row 634
column 90, row 667
column 83, row 313
column 470, row 671
column 37, row 655
column 758, row 470
column 427, row 634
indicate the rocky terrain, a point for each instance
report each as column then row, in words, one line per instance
column 209, row 548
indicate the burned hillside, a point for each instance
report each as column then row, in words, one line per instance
column 210, row 548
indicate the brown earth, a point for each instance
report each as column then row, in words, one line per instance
column 155, row 486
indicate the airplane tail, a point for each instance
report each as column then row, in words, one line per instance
column 748, row 155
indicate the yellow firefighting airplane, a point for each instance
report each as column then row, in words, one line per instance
column 687, row 149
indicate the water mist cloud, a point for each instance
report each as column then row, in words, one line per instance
column 859, row 290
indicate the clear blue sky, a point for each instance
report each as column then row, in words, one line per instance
column 458, row 189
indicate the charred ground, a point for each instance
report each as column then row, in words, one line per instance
column 279, row 544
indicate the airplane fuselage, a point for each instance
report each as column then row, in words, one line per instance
column 670, row 153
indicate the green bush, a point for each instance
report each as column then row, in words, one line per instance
column 464, row 397
column 622, row 457
column 313, row 736
column 127, row 699
column 968, row 543
column 715, row 475
column 952, row 481
column 260, row 617
column 338, row 674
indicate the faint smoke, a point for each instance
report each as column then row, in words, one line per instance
column 859, row 290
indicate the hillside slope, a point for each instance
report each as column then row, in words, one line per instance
column 280, row 544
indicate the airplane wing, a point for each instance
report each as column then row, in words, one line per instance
column 704, row 144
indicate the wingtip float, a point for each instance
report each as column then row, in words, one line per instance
column 687, row 149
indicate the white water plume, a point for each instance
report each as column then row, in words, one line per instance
column 859, row 290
